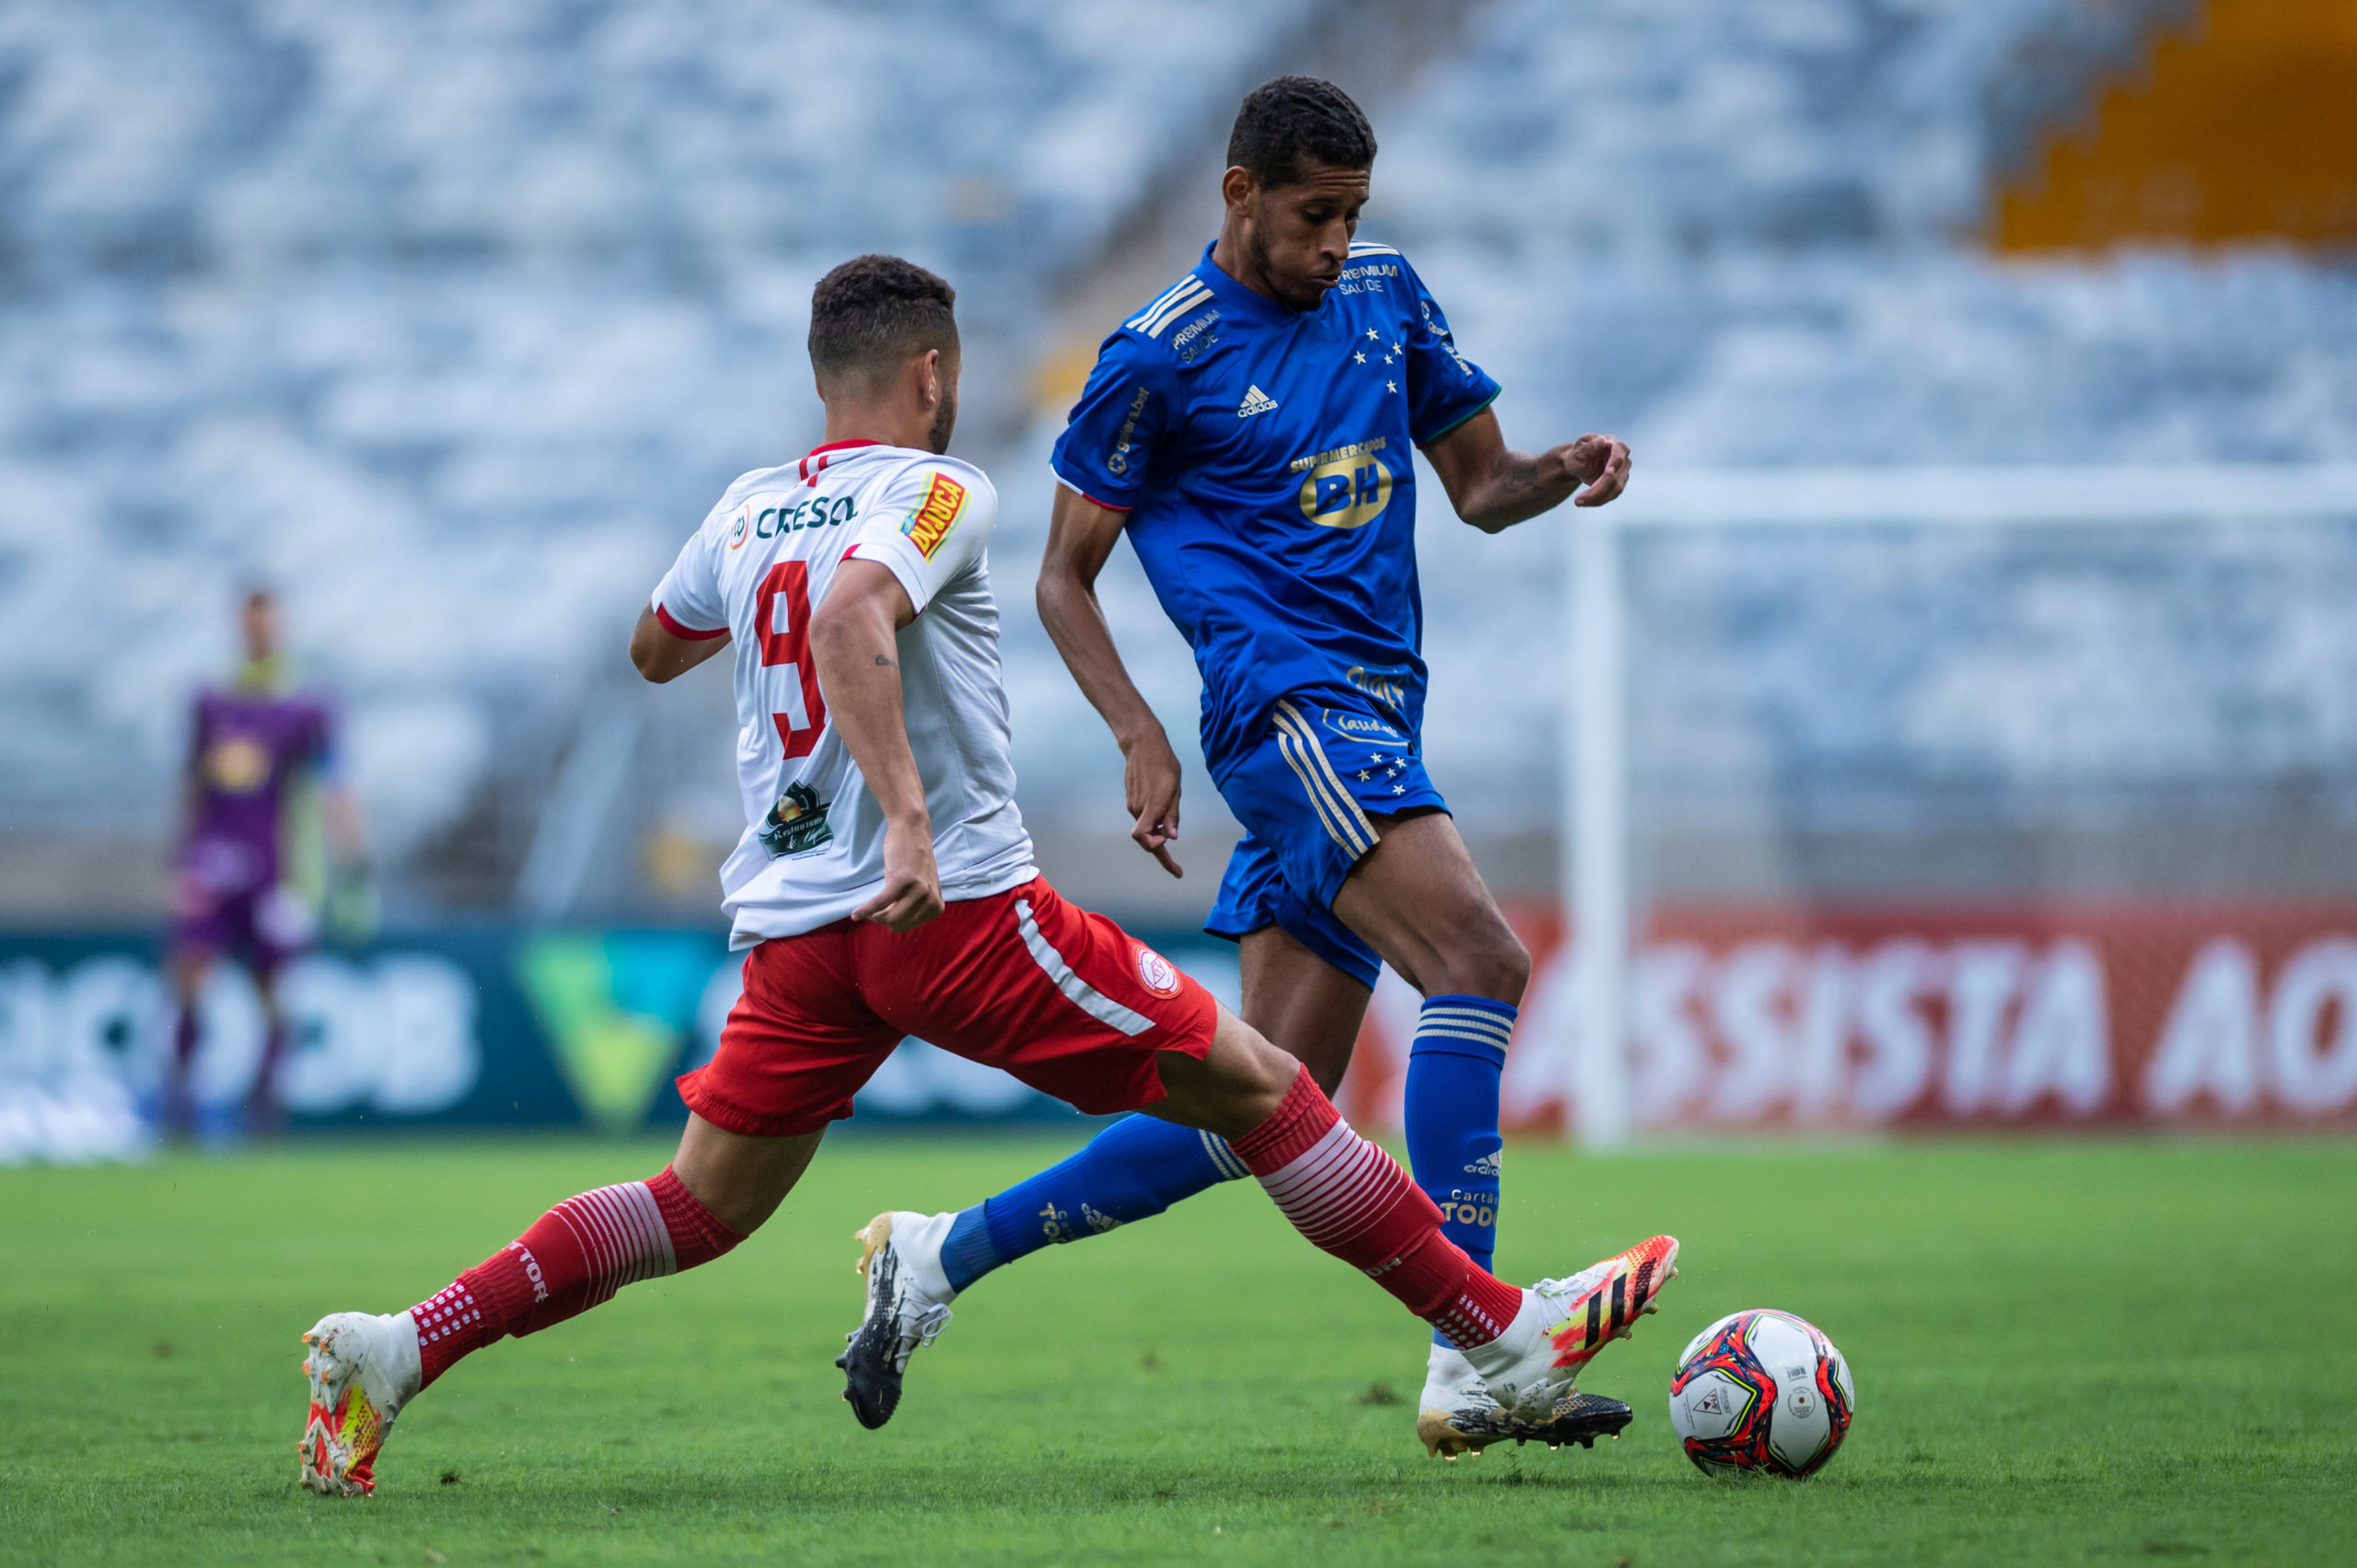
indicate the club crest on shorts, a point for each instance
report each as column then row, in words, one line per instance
column 1156, row 974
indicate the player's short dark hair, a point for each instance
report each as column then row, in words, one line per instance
column 1293, row 118
column 873, row 312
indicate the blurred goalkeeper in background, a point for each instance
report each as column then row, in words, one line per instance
column 261, row 801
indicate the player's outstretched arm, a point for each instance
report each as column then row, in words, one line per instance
column 853, row 639
column 1494, row 487
column 1080, row 535
column 660, row 656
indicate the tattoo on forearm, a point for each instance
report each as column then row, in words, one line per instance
column 884, row 662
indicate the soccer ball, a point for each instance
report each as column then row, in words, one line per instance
column 1761, row 1390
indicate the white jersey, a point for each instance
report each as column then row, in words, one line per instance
column 813, row 849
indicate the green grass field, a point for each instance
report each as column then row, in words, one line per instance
column 2063, row 1352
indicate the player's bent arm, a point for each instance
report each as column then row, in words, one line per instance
column 1494, row 487
column 854, row 639
column 1081, row 536
column 661, row 656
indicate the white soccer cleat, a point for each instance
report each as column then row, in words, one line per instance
column 1530, row 1367
column 1456, row 1416
column 364, row 1368
column 907, row 1305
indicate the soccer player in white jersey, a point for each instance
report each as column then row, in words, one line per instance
column 885, row 887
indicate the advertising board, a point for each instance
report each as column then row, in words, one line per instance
column 455, row 1028
column 1754, row 1018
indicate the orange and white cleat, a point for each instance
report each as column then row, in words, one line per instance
column 1530, row 1367
column 362, row 1369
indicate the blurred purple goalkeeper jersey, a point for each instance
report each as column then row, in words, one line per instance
column 248, row 747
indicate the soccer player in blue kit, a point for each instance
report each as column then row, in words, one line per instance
column 1253, row 431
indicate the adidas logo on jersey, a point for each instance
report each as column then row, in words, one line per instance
column 1255, row 402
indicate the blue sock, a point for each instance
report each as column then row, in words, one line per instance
column 1452, row 1113
column 1133, row 1170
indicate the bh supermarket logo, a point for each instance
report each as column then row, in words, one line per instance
column 1347, row 491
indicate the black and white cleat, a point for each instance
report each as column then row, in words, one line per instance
column 902, row 1315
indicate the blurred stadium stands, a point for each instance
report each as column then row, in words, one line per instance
column 1755, row 235
column 453, row 317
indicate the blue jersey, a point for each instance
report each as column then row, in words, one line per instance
column 1264, row 456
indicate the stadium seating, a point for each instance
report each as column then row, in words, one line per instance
column 453, row 317
column 1745, row 233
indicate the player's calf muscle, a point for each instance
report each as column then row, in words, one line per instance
column 740, row 1178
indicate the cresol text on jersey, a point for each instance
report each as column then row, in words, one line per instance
column 819, row 512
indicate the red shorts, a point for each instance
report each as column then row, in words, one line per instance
column 1065, row 1000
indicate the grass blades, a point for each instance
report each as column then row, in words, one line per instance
column 2065, row 1352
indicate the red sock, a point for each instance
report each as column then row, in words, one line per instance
column 574, row 1257
column 1350, row 1198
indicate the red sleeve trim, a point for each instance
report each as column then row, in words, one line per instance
column 688, row 633
column 1085, row 495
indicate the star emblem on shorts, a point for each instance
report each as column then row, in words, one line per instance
column 1387, row 359
column 1360, row 357
column 1370, row 332
column 1391, row 386
column 1397, row 349
column 1398, row 789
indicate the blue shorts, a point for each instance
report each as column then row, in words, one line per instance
column 1305, row 792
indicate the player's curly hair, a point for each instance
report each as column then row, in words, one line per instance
column 1295, row 117
column 874, row 312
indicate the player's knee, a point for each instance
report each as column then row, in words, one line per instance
column 1261, row 1080
column 1496, row 966
column 1237, row 1084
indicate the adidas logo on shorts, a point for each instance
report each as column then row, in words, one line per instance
column 1255, row 402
